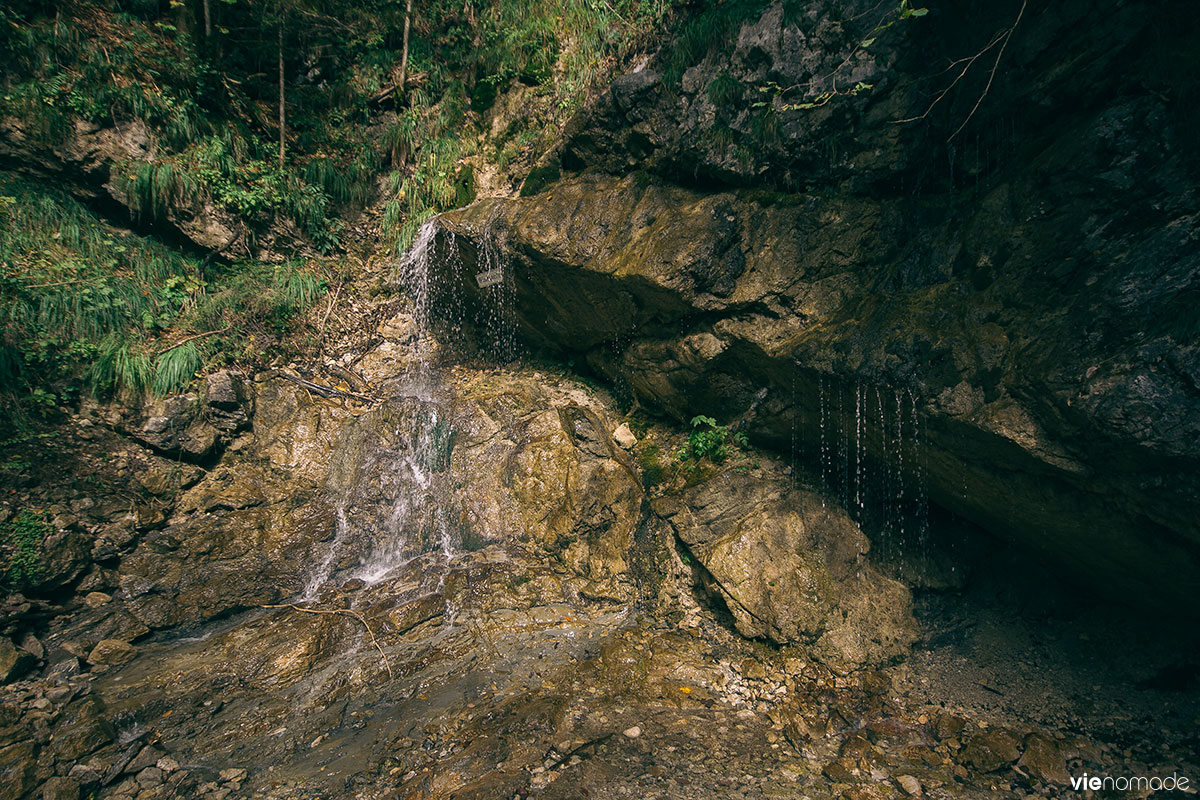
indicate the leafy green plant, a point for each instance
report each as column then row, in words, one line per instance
column 709, row 441
column 21, row 548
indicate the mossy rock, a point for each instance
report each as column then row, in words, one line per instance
column 539, row 179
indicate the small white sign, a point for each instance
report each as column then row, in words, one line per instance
column 489, row 278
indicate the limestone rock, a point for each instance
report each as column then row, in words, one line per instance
column 60, row 789
column 949, row 726
column 81, row 730
column 112, row 652
column 147, row 757
column 790, row 568
column 13, row 662
column 1044, row 759
column 624, row 437
column 233, row 775
column 228, row 398
column 991, row 749
column 174, row 426
column 65, row 554
column 32, row 645
column 17, row 768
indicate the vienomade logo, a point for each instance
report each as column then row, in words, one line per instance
column 1133, row 782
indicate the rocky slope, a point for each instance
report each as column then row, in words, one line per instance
column 409, row 567
column 438, row 580
column 1027, row 283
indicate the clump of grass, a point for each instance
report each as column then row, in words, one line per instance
column 88, row 308
column 704, row 32
column 724, row 90
column 174, row 369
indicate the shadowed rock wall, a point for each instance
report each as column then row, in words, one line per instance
column 1030, row 280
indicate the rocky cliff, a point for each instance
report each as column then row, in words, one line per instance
column 1015, row 260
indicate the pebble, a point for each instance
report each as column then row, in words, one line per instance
column 633, row 732
column 910, row 785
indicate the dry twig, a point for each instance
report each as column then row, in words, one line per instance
column 1002, row 38
column 343, row 612
column 193, row 337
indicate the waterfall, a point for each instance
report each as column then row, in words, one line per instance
column 396, row 496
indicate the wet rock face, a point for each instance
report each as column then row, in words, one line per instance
column 792, row 569
column 1041, row 329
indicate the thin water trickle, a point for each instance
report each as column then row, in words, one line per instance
column 397, row 506
column 324, row 570
column 869, row 456
column 824, row 465
column 858, row 448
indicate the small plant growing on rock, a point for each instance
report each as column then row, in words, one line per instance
column 710, row 441
column 21, row 548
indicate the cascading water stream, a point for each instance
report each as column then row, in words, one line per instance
column 397, row 505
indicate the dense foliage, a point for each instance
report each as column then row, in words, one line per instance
column 20, row 549
column 284, row 115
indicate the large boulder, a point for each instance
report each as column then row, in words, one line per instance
column 791, row 567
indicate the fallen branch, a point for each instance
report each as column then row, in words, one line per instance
column 191, row 338
column 323, row 391
column 357, row 382
column 341, row 612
